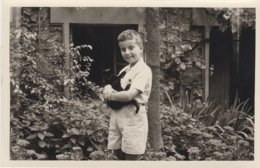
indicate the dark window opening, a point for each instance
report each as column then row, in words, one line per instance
column 105, row 52
column 246, row 67
column 232, row 74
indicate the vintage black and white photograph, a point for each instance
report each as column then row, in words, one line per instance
column 132, row 83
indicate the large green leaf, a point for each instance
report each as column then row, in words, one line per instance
column 40, row 135
column 89, row 132
column 35, row 128
column 32, row 136
column 48, row 145
column 73, row 140
column 66, row 146
column 34, row 18
column 90, row 149
column 81, row 141
column 75, row 131
column 65, row 136
column 48, row 134
column 42, row 144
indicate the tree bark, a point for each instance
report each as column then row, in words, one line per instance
column 152, row 55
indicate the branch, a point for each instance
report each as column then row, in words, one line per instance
column 197, row 44
column 168, row 96
column 215, row 15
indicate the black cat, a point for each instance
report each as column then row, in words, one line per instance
column 114, row 81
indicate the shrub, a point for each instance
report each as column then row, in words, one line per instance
column 210, row 113
column 196, row 141
column 18, row 152
column 50, row 125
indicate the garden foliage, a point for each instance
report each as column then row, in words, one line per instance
column 45, row 125
column 181, row 48
column 187, row 138
column 181, row 57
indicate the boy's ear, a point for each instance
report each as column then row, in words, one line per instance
column 141, row 47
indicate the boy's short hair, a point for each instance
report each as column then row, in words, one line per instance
column 129, row 35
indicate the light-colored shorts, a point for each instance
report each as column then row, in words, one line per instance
column 128, row 130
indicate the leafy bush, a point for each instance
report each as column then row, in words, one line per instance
column 237, row 116
column 20, row 153
column 48, row 123
column 196, row 141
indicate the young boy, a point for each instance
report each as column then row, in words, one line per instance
column 128, row 129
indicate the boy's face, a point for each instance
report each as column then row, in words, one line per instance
column 131, row 51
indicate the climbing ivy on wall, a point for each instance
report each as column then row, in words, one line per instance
column 181, row 49
column 180, row 56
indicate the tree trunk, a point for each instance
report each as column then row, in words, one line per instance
column 152, row 55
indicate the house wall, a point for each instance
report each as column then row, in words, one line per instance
column 184, row 80
column 94, row 15
column 179, row 74
column 201, row 18
column 38, row 20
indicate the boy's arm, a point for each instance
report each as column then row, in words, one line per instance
column 107, row 92
column 137, row 87
column 124, row 96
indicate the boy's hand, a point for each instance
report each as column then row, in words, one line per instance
column 107, row 92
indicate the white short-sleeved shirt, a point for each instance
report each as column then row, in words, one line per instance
column 140, row 78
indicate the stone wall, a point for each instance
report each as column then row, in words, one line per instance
column 181, row 56
column 38, row 20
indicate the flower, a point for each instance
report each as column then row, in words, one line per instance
column 228, row 128
column 23, row 142
column 211, row 128
column 233, row 137
column 226, row 16
column 41, row 156
column 208, row 159
column 179, row 157
column 76, row 148
column 16, row 149
column 207, row 135
column 194, row 150
column 31, row 152
column 214, row 142
column 159, row 155
column 62, row 157
column 171, row 158
column 243, row 143
column 218, row 155
column 196, row 132
column 97, row 155
column 250, row 138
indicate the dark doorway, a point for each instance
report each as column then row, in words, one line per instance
column 233, row 74
column 246, row 67
column 220, row 55
column 105, row 52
